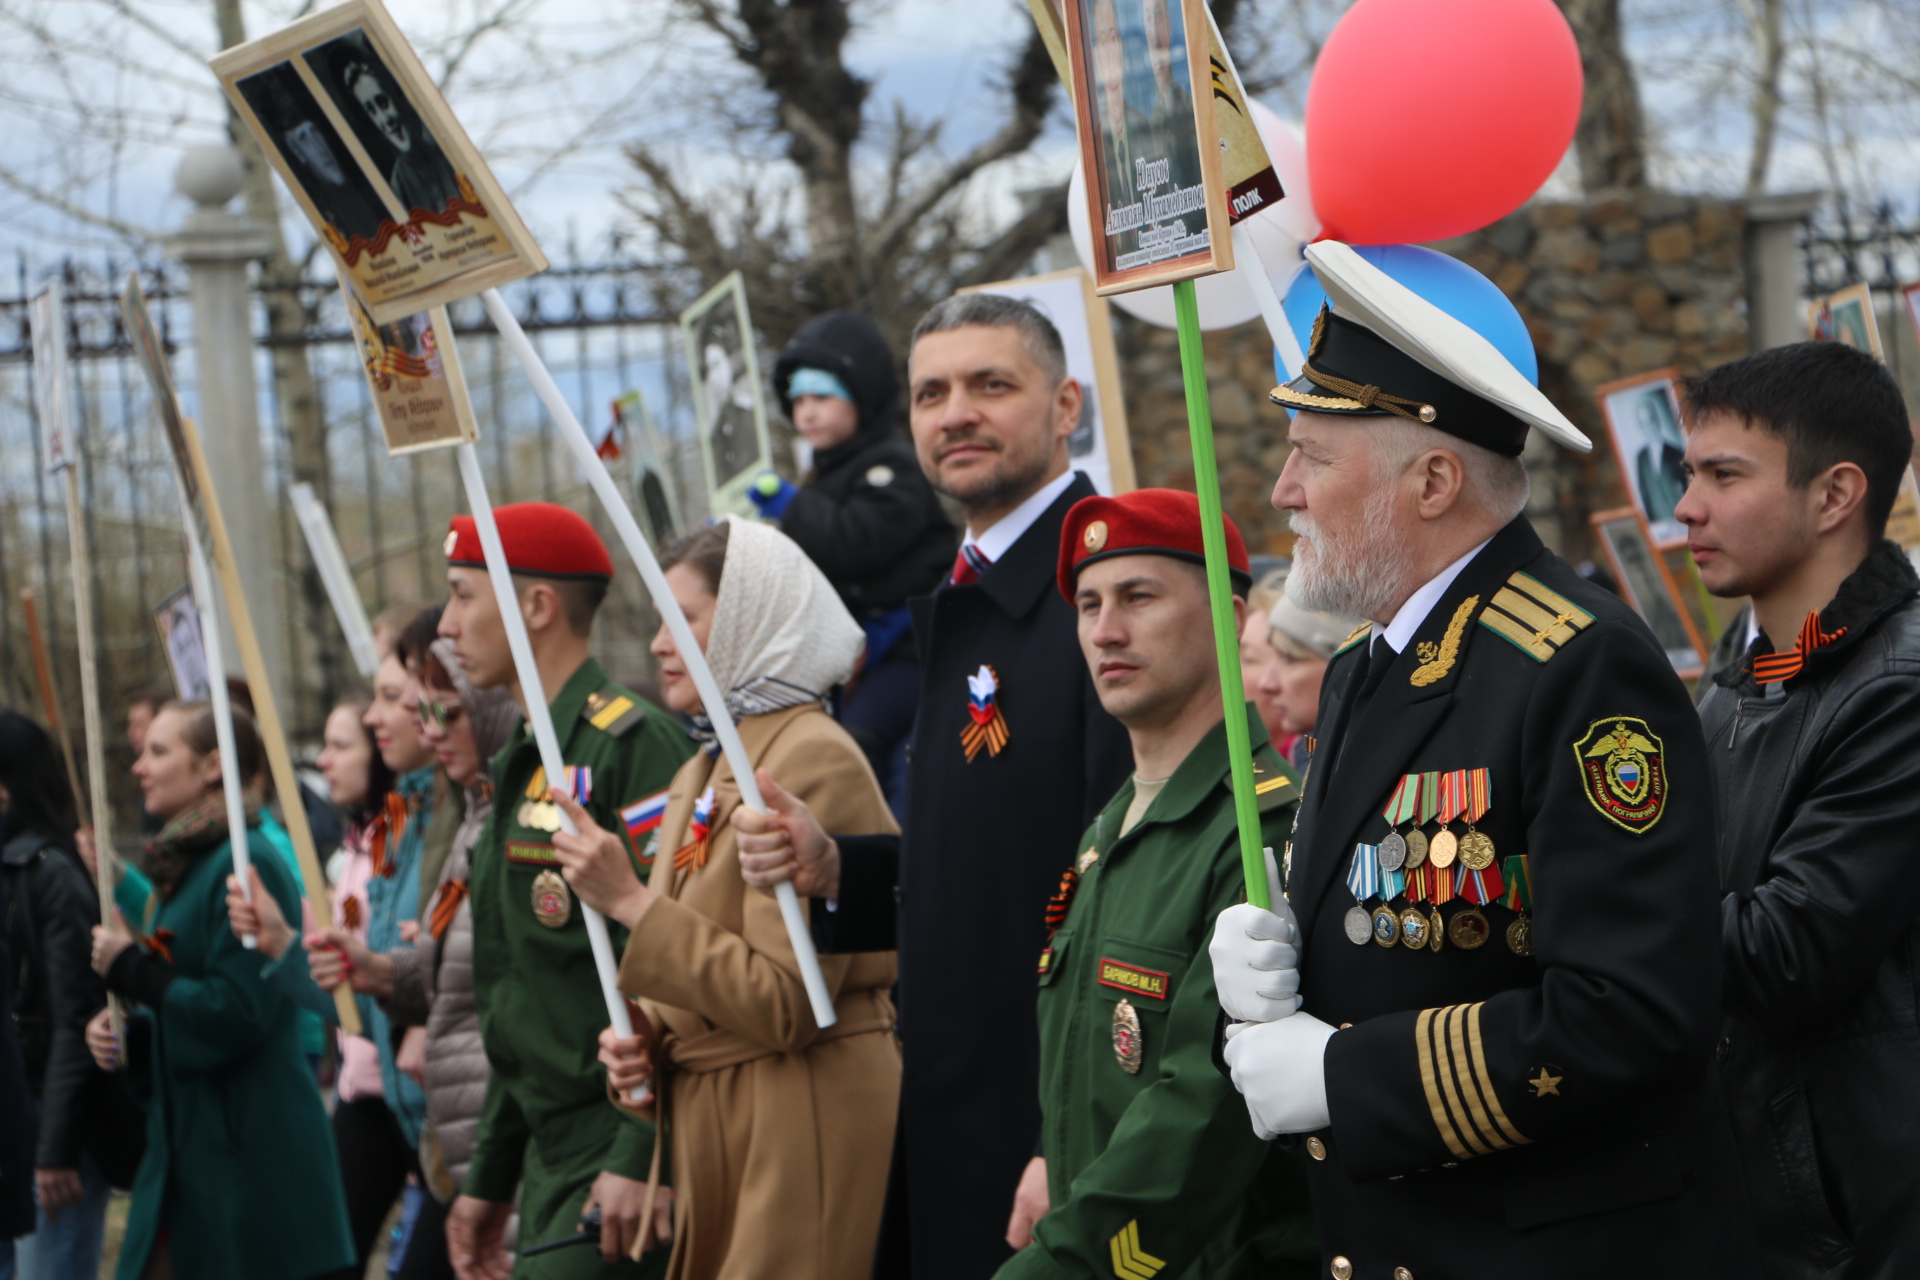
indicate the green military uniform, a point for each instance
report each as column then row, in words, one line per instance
column 548, row 1125
column 1152, row 1170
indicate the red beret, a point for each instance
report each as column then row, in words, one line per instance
column 539, row 538
column 1149, row 522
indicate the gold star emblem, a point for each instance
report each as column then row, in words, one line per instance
column 1544, row 1084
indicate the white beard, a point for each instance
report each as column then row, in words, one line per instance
column 1360, row 576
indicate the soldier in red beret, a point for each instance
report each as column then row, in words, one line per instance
column 547, row 1126
column 1150, row 1166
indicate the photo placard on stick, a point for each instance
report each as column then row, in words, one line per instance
column 1846, row 315
column 359, row 132
column 1144, row 112
column 48, row 323
column 1649, row 588
column 1100, row 444
column 413, row 373
column 180, row 639
column 729, row 401
column 653, row 482
column 1649, row 440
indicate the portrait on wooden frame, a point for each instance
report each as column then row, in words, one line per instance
column 1650, row 444
column 178, row 619
column 730, row 404
column 357, row 129
column 1846, row 315
column 1646, row 584
column 1144, row 112
column 413, row 373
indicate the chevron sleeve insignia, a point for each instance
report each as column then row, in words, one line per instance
column 1130, row 1261
column 1533, row 617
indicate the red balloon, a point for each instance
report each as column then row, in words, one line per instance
column 1432, row 118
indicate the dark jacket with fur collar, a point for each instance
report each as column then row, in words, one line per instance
column 1819, row 794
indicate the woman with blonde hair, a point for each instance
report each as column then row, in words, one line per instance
column 781, row 1133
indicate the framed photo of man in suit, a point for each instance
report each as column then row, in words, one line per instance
column 413, row 373
column 1646, row 584
column 179, row 623
column 1650, row 444
column 374, row 157
column 1144, row 111
column 729, row 402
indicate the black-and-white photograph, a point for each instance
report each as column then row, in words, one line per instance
column 1643, row 418
column 1648, row 589
column 727, row 394
column 319, row 159
column 386, row 122
column 186, row 649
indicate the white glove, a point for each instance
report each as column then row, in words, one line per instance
column 1279, row 1068
column 1256, row 961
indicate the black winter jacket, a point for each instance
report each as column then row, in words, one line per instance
column 1819, row 796
column 50, row 915
column 16, row 1111
column 867, row 515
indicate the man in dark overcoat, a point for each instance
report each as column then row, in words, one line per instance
column 1507, row 936
column 1011, row 758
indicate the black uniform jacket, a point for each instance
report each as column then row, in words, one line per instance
column 1819, row 790
column 1496, row 1114
column 984, row 846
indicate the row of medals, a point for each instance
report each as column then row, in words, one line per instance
column 1467, row 930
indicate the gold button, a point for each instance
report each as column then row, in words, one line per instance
column 1342, row 1269
column 1401, row 1273
column 1316, row 1148
column 1427, row 414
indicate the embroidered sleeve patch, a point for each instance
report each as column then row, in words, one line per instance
column 1133, row 980
column 1623, row 767
column 1130, row 1261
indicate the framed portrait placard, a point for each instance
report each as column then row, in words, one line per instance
column 152, row 355
column 1144, row 112
column 1100, row 444
column 1646, row 584
column 47, row 323
column 1846, row 315
column 653, row 481
column 358, row 130
column 1649, row 440
column 413, row 372
column 180, row 639
column 729, row 402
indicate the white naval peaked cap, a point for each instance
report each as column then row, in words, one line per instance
column 1366, row 295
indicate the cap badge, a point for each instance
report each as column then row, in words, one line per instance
column 1095, row 536
column 453, row 540
column 989, row 727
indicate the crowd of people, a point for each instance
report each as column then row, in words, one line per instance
column 1558, row 974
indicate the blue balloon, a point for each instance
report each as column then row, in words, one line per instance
column 1447, row 283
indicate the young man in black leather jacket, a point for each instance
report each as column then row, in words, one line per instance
column 866, row 514
column 1813, row 731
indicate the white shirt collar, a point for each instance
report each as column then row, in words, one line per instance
column 999, row 537
column 1414, row 612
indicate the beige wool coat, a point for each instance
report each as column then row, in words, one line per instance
column 780, row 1135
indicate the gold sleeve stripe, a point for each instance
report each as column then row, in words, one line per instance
column 1451, row 1085
column 1423, row 1039
column 1470, row 1084
column 1485, row 1079
column 1130, row 1261
column 1549, row 597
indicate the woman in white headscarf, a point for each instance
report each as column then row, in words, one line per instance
column 780, row 1133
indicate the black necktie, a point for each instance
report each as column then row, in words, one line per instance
column 1380, row 660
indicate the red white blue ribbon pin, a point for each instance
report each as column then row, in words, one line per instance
column 989, row 727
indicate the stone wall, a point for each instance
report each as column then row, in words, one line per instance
column 1611, row 287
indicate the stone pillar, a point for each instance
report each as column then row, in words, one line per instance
column 216, row 247
column 1776, row 269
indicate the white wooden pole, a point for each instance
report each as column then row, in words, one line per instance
column 798, row 932
column 200, row 575
column 80, row 561
column 539, row 715
column 337, row 577
column 1246, row 256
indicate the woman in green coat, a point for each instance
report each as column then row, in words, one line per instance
column 240, row 1177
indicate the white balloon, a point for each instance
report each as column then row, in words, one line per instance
column 1279, row 233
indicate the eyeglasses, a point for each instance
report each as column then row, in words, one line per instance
column 441, row 714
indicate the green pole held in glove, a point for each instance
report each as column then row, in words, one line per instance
column 1226, row 640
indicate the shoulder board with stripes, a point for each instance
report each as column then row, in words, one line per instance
column 1354, row 637
column 613, row 710
column 1533, row 617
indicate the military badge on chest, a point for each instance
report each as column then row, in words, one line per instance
column 552, row 900
column 1622, row 763
column 537, row 812
column 1126, row 1037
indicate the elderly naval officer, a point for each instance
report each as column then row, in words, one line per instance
column 1505, row 958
